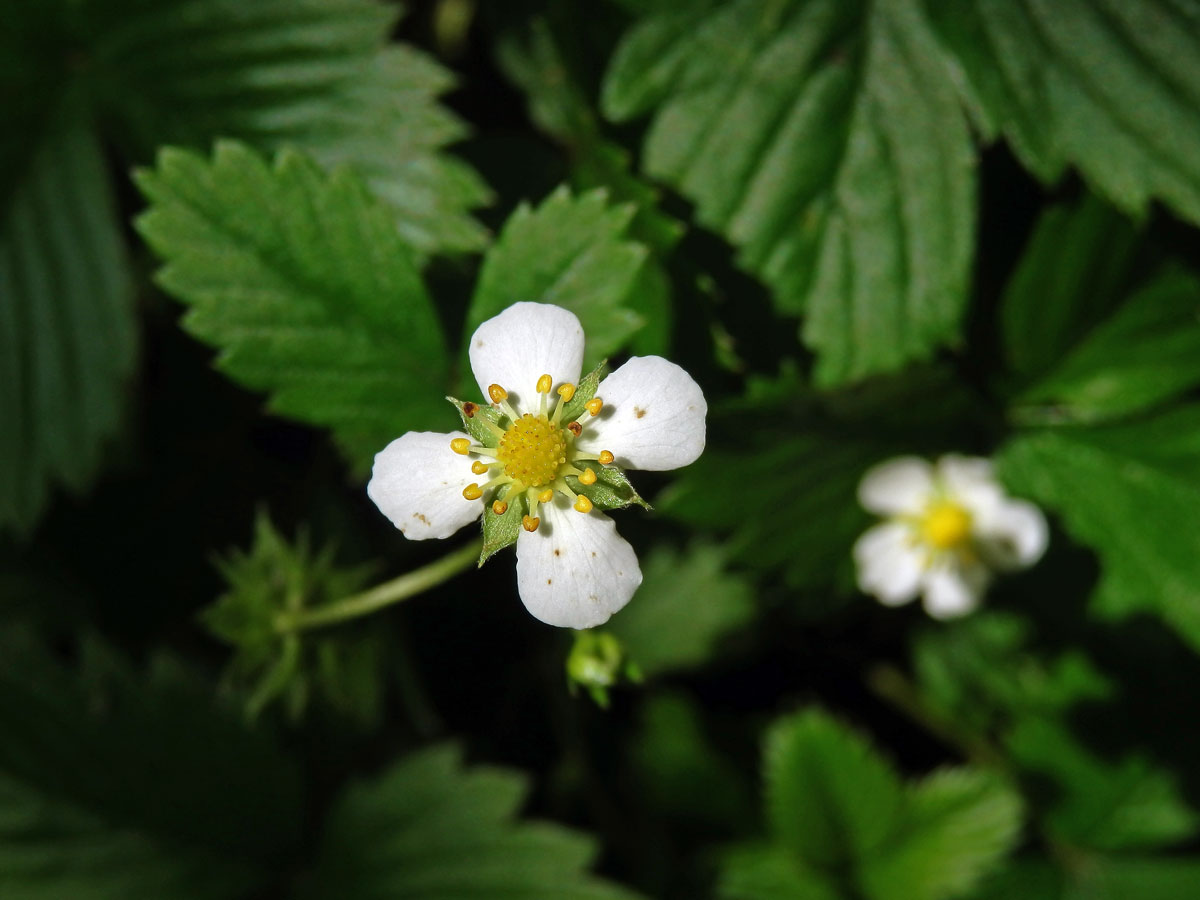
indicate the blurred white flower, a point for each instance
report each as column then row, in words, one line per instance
column 573, row 569
column 949, row 527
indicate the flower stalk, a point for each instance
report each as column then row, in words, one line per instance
column 383, row 595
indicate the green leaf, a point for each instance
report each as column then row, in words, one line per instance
column 1071, row 274
column 67, row 326
column 500, row 531
column 686, row 607
column 769, row 873
column 611, row 490
column 475, row 417
column 570, row 251
column 318, row 75
column 831, row 799
column 1130, row 492
column 302, row 283
column 1109, row 86
column 824, row 140
column 427, row 830
column 117, row 783
column 584, row 391
column 1139, row 357
column 1139, row 878
column 959, row 825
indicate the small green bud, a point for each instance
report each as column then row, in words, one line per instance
column 597, row 662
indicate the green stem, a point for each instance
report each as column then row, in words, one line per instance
column 381, row 595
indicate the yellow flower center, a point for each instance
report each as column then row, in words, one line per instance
column 532, row 450
column 945, row 525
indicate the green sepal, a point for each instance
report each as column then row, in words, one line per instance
column 473, row 424
column 584, row 391
column 612, row 489
column 501, row 531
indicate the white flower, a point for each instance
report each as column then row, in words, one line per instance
column 573, row 569
column 949, row 527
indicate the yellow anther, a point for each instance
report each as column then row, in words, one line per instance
column 566, row 391
column 461, row 446
column 497, row 393
column 594, row 406
column 606, row 457
column 575, row 428
column 588, row 476
column 946, row 525
column 544, row 384
column 479, row 468
column 530, row 523
column 472, row 491
column 499, row 507
column 583, row 504
column 546, row 496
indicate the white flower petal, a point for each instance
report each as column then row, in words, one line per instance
column 575, row 571
column 1013, row 535
column 653, row 416
column 889, row 564
column 970, row 481
column 417, row 482
column 951, row 592
column 526, row 341
column 901, row 486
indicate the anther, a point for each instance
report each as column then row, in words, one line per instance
column 588, row 476
column 575, row 428
column 544, row 384
column 583, row 504
column 530, row 523
column 499, row 507
column 469, row 409
column 479, row 468
column 566, row 391
column 472, row 491
column 461, row 446
column 605, row 457
column 546, row 496
column 594, row 406
column 497, row 393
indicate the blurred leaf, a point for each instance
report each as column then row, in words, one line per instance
column 131, row 785
column 1131, row 492
column 303, row 284
column 1140, row 356
column 67, row 326
column 570, row 251
column 1071, row 274
column 826, row 142
column 1111, row 87
column 427, row 829
column 687, row 605
column 318, row 75
column 1098, row 878
column 770, row 873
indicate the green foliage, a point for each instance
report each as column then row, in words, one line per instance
column 272, row 581
column 571, row 251
column 303, row 283
column 825, row 141
column 317, row 75
column 685, row 609
column 1110, row 87
column 1129, row 491
column 67, row 328
column 844, row 825
column 426, row 829
column 123, row 784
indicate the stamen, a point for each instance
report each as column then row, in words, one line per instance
column 469, row 409
column 479, row 468
column 583, row 504
column 544, row 384
column 588, row 476
column 497, row 393
column 472, row 491
column 461, row 446
column 546, row 496
column 575, row 428
column 530, row 523
column 565, row 393
column 594, row 406
column 499, row 507
column 605, row 457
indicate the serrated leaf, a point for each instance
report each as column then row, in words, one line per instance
column 960, row 824
column 611, row 490
column 1130, row 492
column 1109, row 86
column 570, row 251
column 118, row 783
column 318, row 75
column 685, row 608
column 428, row 830
column 825, row 141
column 67, row 326
column 1071, row 274
column 302, row 283
column 500, row 531
column 769, row 873
column 831, row 799
column 475, row 423
column 1142, row 355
